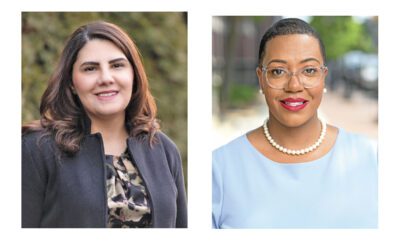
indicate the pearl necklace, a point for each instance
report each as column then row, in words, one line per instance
column 291, row 151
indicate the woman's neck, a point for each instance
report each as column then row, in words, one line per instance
column 298, row 137
column 113, row 132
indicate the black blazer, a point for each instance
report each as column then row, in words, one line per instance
column 62, row 191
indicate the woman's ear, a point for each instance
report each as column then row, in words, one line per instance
column 259, row 73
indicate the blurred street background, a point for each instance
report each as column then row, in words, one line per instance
column 161, row 38
column 351, row 102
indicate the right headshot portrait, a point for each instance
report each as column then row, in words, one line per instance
column 295, row 121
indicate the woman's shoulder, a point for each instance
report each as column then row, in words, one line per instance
column 233, row 143
column 39, row 144
column 356, row 140
column 33, row 138
column 162, row 143
column 170, row 150
column 165, row 140
column 39, row 148
column 357, row 148
column 232, row 147
column 159, row 139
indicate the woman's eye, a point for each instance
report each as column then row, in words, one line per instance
column 89, row 69
column 118, row 65
column 278, row 72
column 310, row 71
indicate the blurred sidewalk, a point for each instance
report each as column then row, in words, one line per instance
column 358, row 114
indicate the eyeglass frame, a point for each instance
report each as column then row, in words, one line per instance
column 291, row 74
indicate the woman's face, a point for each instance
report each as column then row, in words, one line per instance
column 102, row 78
column 293, row 105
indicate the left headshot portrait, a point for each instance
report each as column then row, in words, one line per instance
column 104, row 120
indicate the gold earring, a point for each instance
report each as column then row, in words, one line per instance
column 325, row 90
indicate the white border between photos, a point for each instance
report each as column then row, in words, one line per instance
column 199, row 234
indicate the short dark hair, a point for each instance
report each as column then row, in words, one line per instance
column 289, row 26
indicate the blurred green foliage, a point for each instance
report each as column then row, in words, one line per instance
column 160, row 36
column 241, row 95
column 341, row 34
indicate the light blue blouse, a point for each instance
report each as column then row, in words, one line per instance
column 339, row 190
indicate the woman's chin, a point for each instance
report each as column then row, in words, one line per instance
column 108, row 112
column 294, row 121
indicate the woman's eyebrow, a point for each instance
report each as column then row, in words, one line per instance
column 285, row 62
column 89, row 63
column 310, row 59
column 277, row 61
column 117, row 60
column 94, row 63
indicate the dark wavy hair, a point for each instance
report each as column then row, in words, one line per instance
column 289, row 26
column 62, row 114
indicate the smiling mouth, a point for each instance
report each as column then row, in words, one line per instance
column 294, row 104
column 107, row 94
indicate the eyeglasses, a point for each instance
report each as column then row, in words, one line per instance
column 278, row 77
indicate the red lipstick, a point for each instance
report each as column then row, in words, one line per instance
column 294, row 104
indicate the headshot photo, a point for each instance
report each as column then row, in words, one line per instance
column 104, row 120
column 295, row 122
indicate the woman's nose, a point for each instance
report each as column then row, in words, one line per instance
column 294, row 84
column 105, row 77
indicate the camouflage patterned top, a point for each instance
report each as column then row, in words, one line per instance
column 128, row 201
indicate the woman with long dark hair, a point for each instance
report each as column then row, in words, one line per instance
column 97, row 157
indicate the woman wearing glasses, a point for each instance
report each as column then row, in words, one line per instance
column 294, row 171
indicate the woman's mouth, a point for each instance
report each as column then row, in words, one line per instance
column 106, row 95
column 294, row 104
